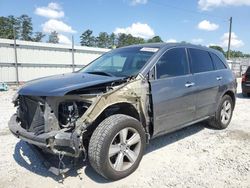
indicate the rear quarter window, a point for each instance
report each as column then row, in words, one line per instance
column 200, row 61
column 218, row 62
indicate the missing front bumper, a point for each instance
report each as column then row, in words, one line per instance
column 58, row 142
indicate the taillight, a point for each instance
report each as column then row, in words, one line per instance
column 244, row 77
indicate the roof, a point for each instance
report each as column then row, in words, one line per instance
column 163, row 44
column 166, row 45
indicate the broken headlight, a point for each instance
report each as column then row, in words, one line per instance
column 70, row 111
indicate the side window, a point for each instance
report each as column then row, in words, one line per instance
column 217, row 62
column 172, row 63
column 200, row 61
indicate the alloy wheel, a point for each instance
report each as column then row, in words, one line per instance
column 226, row 112
column 124, row 149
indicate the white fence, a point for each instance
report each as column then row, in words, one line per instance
column 29, row 60
column 239, row 65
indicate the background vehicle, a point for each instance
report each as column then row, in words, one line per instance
column 114, row 106
column 245, row 83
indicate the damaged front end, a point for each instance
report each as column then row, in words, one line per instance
column 62, row 124
column 50, row 122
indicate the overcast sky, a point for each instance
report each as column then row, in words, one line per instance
column 203, row 22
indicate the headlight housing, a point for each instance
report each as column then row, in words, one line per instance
column 70, row 111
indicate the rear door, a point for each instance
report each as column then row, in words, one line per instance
column 206, row 82
column 172, row 91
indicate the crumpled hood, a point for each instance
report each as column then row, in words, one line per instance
column 60, row 85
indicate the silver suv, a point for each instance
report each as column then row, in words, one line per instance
column 111, row 108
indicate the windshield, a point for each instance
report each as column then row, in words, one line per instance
column 122, row 62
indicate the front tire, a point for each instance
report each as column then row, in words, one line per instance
column 116, row 147
column 223, row 114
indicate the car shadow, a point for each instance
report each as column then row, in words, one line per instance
column 33, row 160
column 240, row 96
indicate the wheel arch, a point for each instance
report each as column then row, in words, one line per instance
column 232, row 95
column 124, row 108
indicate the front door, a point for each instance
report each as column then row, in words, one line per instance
column 172, row 92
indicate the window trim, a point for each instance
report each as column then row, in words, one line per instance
column 155, row 69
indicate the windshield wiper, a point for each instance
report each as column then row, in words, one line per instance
column 101, row 73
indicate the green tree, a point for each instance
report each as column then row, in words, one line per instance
column 125, row 40
column 103, row 40
column 87, row 39
column 53, row 37
column 26, row 27
column 38, row 36
column 112, row 41
column 234, row 53
column 155, row 39
column 9, row 25
column 246, row 55
column 218, row 48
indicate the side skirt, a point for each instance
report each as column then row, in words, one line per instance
column 180, row 127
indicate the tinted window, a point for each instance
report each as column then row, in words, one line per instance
column 172, row 63
column 217, row 62
column 201, row 61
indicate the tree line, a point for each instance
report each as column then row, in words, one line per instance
column 22, row 28
column 105, row 40
column 233, row 53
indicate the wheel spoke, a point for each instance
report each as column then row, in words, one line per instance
column 114, row 149
column 131, row 155
column 119, row 161
column 227, row 116
column 135, row 138
column 223, row 117
column 222, row 111
column 123, row 135
column 228, row 106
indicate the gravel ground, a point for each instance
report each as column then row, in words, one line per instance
column 196, row 156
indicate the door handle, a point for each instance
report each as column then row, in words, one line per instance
column 189, row 84
column 219, row 78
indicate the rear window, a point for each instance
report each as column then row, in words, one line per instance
column 200, row 61
column 217, row 62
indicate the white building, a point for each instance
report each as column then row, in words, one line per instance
column 36, row 59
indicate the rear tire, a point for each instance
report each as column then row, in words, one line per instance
column 116, row 147
column 223, row 114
